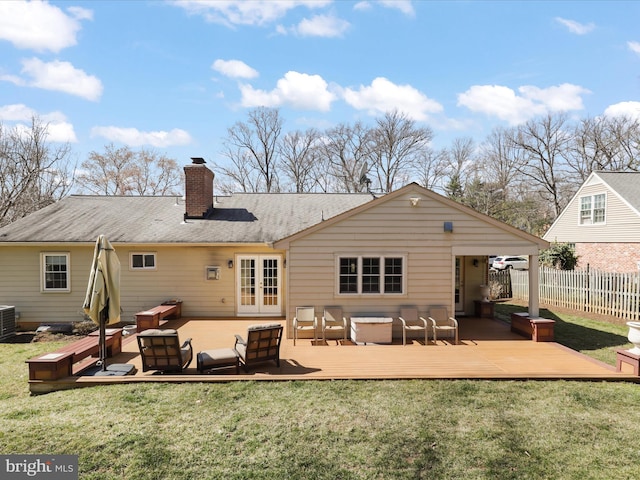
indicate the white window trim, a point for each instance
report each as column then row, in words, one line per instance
column 592, row 210
column 43, row 273
column 143, row 268
column 382, row 258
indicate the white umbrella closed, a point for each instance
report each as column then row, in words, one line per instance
column 102, row 302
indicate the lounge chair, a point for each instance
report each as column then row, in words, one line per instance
column 305, row 320
column 161, row 350
column 412, row 322
column 442, row 322
column 333, row 321
column 262, row 344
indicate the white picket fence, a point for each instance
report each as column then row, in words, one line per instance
column 593, row 291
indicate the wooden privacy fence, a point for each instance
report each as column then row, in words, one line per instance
column 593, row 291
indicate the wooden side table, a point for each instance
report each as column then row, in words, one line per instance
column 483, row 309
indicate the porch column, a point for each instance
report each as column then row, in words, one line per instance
column 534, row 287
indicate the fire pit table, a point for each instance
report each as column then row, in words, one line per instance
column 371, row 329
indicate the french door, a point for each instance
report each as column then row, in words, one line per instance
column 259, row 285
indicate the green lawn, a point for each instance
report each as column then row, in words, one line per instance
column 334, row 429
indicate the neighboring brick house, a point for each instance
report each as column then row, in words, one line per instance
column 603, row 222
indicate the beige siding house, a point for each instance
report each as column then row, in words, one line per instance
column 603, row 222
column 258, row 255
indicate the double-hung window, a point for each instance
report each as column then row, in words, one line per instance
column 371, row 275
column 143, row 261
column 55, row 272
column 592, row 209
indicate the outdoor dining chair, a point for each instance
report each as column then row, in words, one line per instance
column 305, row 320
column 333, row 321
column 412, row 322
column 442, row 322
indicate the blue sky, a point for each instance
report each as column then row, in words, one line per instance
column 174, row 75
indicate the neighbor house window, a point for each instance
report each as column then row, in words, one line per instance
column 592, row 209
column 143, row 261
column 55, row 272
column 371, row 275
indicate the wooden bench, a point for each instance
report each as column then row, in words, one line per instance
column 151, row 318
column 537, row 329
column 66, row 361
column 625, row 356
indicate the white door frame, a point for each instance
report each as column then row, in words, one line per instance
column 259, row 285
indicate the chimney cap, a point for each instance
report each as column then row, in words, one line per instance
column 197, row 160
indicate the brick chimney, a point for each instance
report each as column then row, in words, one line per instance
column 198, row 189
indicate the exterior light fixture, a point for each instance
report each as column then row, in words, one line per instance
column 230, row 264
column 414, row 201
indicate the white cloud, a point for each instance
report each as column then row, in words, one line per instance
column 40, row 26
column 362, row 6
column 135, row 138
column 234, row 69
column 576, row 27
column 404, row 6
column 384, row 96
column 241, row 12
column 58, row 76
column 297, row 90
column 58, row 129
column 506, row 104
column 17, row 112
column 61, row 132
column 624, row 109
column 322, row 26
column 81, row 13
column 634, row 47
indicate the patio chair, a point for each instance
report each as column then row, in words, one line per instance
column 442, row 322
column 161, row 350
column 412, row 322
column 305, row 320
column 262, row 344
column 333, row 321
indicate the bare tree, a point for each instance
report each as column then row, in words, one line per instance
column 255, row 143
column 431, row 167
column 299, row 155
column 346, row 149
column 122, row 171
column 462, row 169
column 397, row 145
column 500, row 159
column 544, row 145
column 33, row 173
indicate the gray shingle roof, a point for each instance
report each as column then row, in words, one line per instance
column 239, row 218
column 626, row 184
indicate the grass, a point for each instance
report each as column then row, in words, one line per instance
column 333, row 430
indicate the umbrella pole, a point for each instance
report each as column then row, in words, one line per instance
column 103, row 338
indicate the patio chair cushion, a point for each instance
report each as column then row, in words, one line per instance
column 220, row 357
column 263, row 326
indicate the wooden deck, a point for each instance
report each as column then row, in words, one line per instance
column 487, row 350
